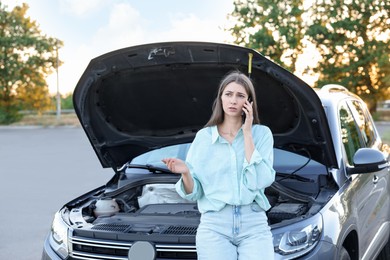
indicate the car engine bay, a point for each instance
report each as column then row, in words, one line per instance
column 156, row 208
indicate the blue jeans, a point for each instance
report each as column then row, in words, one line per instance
column 235, row 232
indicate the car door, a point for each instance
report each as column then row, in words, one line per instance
column 375, row 211
column 371, row 188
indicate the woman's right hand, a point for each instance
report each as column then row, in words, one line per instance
column 179, row 167
column 176, row 165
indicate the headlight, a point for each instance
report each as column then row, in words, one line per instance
column 59, row 236
column 299, row 238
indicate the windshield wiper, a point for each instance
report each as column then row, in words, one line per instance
column 150, row 167
column 156, row 169
column 293, row 176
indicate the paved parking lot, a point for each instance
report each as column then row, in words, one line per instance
column 40, row 170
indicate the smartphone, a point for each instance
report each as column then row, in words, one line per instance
column 243, row 113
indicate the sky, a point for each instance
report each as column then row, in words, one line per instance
column 90, row 28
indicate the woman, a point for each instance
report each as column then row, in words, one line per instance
column 228, row 166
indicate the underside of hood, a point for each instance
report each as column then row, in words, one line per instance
column 140, row 98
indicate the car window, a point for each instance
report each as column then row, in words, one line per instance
column 349, row 132
column 364, row 123
column 284, row 161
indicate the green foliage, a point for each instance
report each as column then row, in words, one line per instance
column 351, row 36
column 67, row 102
column 26, row 58
column 9, row 116
column 274, row 28
column 353, row 39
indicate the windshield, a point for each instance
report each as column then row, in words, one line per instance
column 284, row 161
column 154, row 158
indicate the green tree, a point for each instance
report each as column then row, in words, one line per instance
column 26, row 58
column 66, row 101
column 353, row 38
column 274, row 28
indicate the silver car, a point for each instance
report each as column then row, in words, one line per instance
column 137, row 105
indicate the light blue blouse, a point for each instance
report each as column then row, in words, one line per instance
column 221, row 173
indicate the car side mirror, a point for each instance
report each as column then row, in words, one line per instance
column 367, row 160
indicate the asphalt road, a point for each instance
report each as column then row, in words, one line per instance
column 40, row 170
column 383, row 127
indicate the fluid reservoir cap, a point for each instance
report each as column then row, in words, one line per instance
column 106, row 207
column 142, row 250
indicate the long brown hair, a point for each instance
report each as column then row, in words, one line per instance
column 238, row 77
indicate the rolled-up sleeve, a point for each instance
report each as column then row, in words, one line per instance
column 258, row 173
column 196, row 193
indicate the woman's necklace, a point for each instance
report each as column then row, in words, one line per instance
column 229, row 135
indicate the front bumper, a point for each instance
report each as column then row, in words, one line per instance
column 324, row 250
column 48, row 253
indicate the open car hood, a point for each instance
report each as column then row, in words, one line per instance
column 140, row 98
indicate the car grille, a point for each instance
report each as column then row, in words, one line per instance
column 98, row 249
column 171, row 230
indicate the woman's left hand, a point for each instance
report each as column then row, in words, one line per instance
column 248, row 110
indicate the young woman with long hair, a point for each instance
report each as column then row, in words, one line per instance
column 228, row 166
